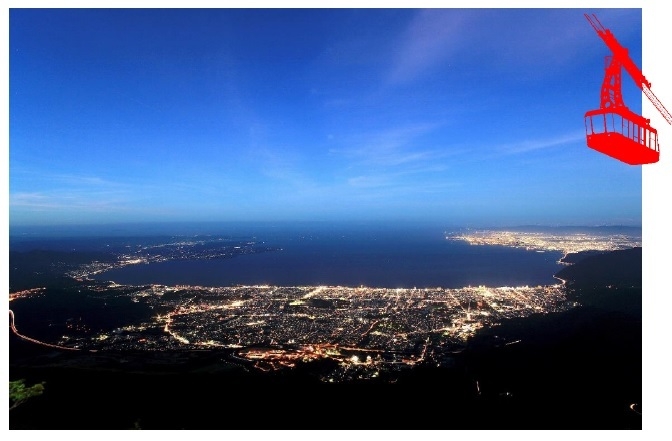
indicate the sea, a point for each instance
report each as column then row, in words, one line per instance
column 399, row 255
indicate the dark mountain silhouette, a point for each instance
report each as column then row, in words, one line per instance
column 621, row 268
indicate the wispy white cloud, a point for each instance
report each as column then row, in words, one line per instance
column 387, row 190
column 382, row 180
column 35, row 200
column 84, row 180
column 539, row 144
column 431, row 37
column 59, row 201
column 369, row 181
column 281, row 165
column 60, row 191
column 399, row 161
column 28, row 175
column 548, row 40
column 391, row 147
column 541, row 39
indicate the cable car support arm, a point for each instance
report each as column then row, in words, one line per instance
column 621, row 55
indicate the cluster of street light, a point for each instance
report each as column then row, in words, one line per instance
column 541, row 242
column 365, row 330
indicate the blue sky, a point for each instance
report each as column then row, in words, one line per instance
column 456, row 116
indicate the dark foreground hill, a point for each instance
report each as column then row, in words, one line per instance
column 580, row 369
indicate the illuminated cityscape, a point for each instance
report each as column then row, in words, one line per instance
column 541, row 242
column 365, row 330
column 362, row 331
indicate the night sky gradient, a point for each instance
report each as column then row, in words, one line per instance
column 457, row 116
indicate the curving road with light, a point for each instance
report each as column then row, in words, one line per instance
column 32, row 340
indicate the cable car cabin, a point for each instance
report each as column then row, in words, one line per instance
column 622, row 134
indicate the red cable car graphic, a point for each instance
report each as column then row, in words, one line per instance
column 613, row 129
